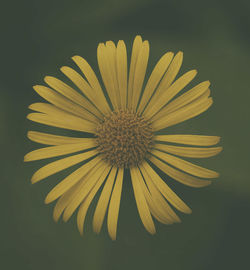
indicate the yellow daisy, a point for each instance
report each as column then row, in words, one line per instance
column 124, row 120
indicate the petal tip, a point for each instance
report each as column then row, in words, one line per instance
column 63, row 68
column 112, row 236
column 33, row 180
column 25, row 158
column 194, row 71
column 138, row 37
column 55, row 217
column 180, row 54
column 47, row 79
column 75, row 57
column 36, row 87
column 65, row 217
column 47, row 200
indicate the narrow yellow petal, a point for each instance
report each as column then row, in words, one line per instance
column 154, row 182
column 185, row 165
column 65, row 104
column 103, row 55
column 65, row 200
column 158, row 198
column 59, row 150
column 154, row 79
column 192, row 152
column 169, row 93
column 57, row 112
column 50, row 139
column 137, row 46
column 156, row 212
column 140, row 71
column 187, row 112
column 93, row 81
column 60, row 165
column 70, row 93
column 183, row 100
column 97, row 99
column 155, row 204
column 86, row 186
column 54, row 111
column 200, row 140
column 171, row 73
column 86, row 89
column 111, row 58
column 63, row 120
column 102, row 204
column 167, row 79
column 71, row 180
column 114, row 205
column 179, row 176
column 121, row 66
column 86, row 203
column 141, row 202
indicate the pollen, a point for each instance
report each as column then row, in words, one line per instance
column 124, row 138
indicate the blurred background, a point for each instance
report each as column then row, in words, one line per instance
column 37, row 38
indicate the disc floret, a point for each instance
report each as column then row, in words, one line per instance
column 124, row 138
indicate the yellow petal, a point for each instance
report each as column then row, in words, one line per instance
column 179, row 176
column 156, row 212
column 57, row 112
column 62, row 120
column 102, row 204
column 121, row 66
column 70, row 93
column 71, row 180
column 65, row 104
column 140, row 71
column 169, row 93
column 86, row 89
column 171, row 73
column 103, row 57
column 154, row 79
column 114, row 205
column 111, row 61
column 137, row 46
column 86, row 186
column 184, row 99
column 79, row 81
column 93, row 81
column 155, row 204
column 59, row 150
column 159, row 199
column 200, row 140
column 155, row 182
column 141, row 202
column 60, row 165
column 50, row 139
column 64, row 200
column 167, row 79
column 86, row 203
column 187, row 112
column 193, row 152
column 185, row 165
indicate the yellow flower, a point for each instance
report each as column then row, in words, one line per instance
column 124, row 120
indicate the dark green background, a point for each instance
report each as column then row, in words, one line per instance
column 37, row 38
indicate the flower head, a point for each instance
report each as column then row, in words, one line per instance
column 123, row 119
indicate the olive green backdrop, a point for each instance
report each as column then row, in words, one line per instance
column 37, row 38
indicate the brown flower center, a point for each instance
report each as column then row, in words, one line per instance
column 124, row 138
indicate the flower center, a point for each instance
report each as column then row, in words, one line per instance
column 124, row 138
